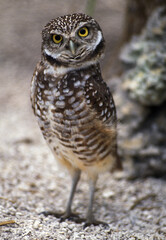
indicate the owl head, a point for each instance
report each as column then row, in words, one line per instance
column 72, row 40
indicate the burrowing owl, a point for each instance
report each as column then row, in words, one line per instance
column 73, row 105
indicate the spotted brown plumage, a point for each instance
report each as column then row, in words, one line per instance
column 73, row 105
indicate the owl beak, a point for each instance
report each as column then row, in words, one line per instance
column 72, row 47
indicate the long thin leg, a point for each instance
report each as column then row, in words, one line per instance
column 68, row 213
column 90, row 217
column 75, row 179
column 92, row 185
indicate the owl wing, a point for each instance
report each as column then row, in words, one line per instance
column 101, row 103
column 34, row 85
column 100, row 100
column 33, row 90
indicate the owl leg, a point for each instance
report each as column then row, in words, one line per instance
column 75, row 178
column 68, row 213
column 90, row 220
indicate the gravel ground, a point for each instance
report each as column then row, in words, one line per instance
column 31, row 182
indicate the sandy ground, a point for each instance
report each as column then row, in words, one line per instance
column 31, row 182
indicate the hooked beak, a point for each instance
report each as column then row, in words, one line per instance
column 72, row 47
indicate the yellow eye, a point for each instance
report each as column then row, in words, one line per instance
column 83, row 32
column 57, row 38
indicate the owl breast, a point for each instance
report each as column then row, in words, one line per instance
column 75, row 116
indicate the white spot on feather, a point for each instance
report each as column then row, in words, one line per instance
column 77, row 83
column 71, row 100
column 60, row 104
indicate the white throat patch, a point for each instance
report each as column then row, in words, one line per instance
column 53, row 55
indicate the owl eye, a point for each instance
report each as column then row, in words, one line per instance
column 83, row 32
column 57, row 38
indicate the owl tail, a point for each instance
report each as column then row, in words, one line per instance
column 117, row 165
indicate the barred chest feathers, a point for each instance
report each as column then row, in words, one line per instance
column 77, row 116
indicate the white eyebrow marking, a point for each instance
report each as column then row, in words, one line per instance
column 98, row 40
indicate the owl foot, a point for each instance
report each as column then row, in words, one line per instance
column 54, row 214
column 63, row 216
column 72, row 217
column 95, row 223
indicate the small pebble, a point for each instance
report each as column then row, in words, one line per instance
column 64, row 225
column 36, row 224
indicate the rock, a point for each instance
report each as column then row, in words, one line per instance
column 141, row 98
column 146, row 81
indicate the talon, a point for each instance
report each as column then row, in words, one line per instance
column 63, row 216
column 95, row 223
column 54, row 214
